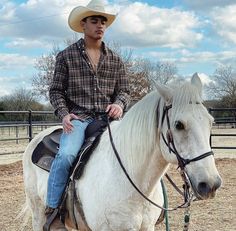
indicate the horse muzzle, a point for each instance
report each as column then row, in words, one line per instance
column 206, row 190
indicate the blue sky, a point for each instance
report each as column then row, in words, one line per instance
column 198, row 36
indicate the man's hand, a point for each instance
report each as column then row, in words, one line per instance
column 115, row 111
column 66, row 122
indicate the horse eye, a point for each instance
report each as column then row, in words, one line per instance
column 179, row 125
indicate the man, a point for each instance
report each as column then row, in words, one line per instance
column 88, row 79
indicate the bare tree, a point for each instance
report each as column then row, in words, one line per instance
column 163, row 72
column 223, row 86
column 138, row 72
column 145, row 73
column 125, row 53
column 45, row 66
column 20, row 100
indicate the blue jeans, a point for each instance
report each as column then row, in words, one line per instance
column 70, row 144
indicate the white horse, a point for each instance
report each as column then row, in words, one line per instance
column 108, row 199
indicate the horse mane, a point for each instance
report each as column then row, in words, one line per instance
column 144, row 114
column 138, row 130
column 136, row 135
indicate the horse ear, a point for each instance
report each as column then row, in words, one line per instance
column 165, row 92
column 196, row 81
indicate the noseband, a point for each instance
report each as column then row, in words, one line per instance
column 169, row 141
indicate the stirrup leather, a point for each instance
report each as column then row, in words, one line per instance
column 50, row 219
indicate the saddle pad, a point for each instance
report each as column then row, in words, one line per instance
column 47, row 149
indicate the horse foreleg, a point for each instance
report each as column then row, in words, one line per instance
column 37, row 211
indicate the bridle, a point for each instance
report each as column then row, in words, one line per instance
column 182, row 162
column 169, row 141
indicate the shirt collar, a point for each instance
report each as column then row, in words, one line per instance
column 81, row 45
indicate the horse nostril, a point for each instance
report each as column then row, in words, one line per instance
column 206, row 190
column 203, row 189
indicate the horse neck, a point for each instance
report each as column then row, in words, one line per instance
column 137, row 139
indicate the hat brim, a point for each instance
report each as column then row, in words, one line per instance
column 80, row 12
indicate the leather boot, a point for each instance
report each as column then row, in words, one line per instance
column 56, row 224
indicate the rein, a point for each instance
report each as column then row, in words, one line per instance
column 182, row 162
column 184, row 205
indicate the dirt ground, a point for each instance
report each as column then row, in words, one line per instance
column 218, row 214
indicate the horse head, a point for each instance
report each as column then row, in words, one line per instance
column 185, row 126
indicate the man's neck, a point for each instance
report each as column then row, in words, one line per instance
column 92, row 44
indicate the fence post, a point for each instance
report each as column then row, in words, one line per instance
column 30, row 126
column 17, row 135
column 210, row 111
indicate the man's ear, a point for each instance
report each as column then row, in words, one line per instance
column 82, row 23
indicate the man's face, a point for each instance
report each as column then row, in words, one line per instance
column 94, row 26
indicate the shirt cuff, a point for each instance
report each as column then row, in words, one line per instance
column 120, row 103
column 61, row 113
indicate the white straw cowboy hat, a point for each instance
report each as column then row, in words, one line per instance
column 94, row 7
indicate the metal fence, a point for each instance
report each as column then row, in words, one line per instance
column 33, row 122
column 26, row 120
column 223, row 118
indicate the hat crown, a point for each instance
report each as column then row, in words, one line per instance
column 96, row 5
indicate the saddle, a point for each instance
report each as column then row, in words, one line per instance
column 47, row 149
column 43, row 157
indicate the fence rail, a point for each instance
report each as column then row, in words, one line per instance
column 229, row 120
column 43, row 119
column 27, row 121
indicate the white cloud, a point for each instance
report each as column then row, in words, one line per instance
column 139, row 24
column 224, row 22
column 10, row 83
column 15, row 62
column 28, row 43
column 206, row 4
column 185, row 56
column 205, row 78
column 36, row 19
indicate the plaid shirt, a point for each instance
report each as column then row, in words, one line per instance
column 77, row 88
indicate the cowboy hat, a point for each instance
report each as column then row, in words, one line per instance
column 94, row 7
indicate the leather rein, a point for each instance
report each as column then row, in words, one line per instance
column 169, row 141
